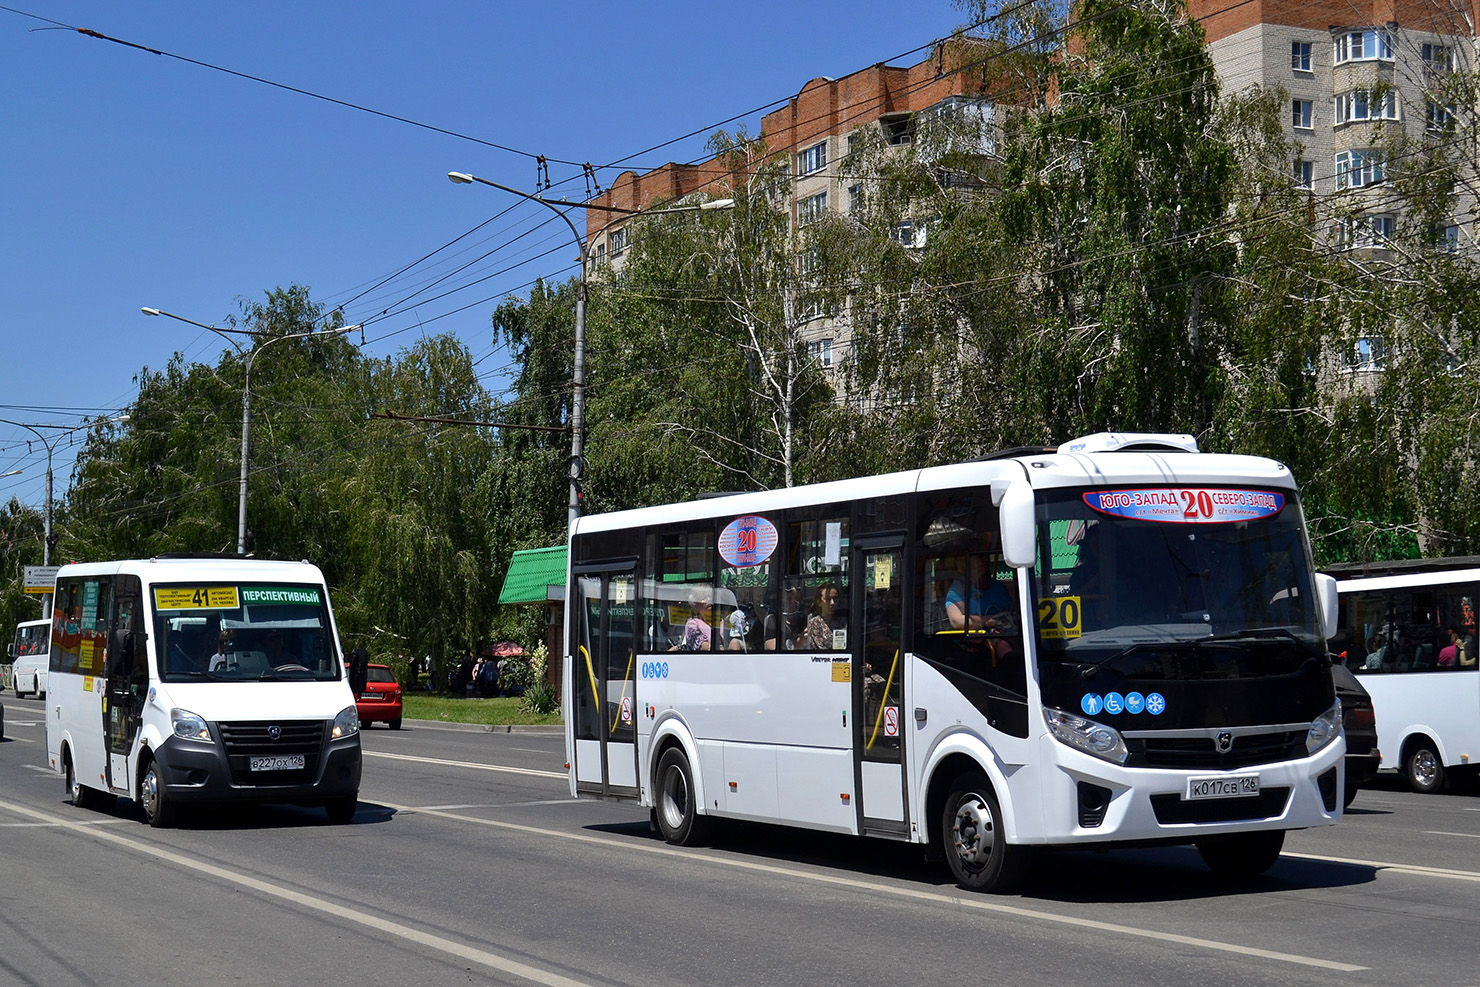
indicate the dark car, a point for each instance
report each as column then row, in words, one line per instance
column 1359, row 720
column 381, row 700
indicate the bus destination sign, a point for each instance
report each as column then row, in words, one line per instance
column 747, row 541
column 195, row 598
column 1187, row 505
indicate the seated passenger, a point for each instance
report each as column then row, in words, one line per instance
column 985, row 605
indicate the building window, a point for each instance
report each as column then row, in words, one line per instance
column 1363, row 46
column 812, row 160
column 1356, row 169
column 1449, row 238
column 899, row 128
column 821, row 351
column 1364, row 104
column 811, row 209
column 1302, row 114
column 1439, row 117
column 1300, row 56
column 1371, row 354
column 620, row 240
column 1380, row 230
column 1305, row 173
column 1438, row 58
column 855, row 198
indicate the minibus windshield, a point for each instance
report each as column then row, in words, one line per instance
column 245, row 632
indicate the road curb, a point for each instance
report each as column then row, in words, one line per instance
column 553, row 730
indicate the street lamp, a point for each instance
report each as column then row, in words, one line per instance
column 248, row 357
column 578, row 367
column 50, row 444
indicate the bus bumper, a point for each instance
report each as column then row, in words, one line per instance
column 195, row 772
column 1089, row 800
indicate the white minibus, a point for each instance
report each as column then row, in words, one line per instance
column 193, row 679
column 1117, row 642
column 1407, row 632
column 28, row 672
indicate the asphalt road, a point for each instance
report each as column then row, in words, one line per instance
column 468, row 863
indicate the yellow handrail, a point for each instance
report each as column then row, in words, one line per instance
column 883, row 700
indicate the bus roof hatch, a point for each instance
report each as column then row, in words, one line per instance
column 1131, row 442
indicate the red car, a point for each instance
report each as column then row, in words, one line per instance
column 381, row 700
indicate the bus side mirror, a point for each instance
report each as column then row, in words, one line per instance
column 1019, row 544
column 10, row 649
column 1330, row 603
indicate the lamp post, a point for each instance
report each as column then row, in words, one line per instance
column 50, row 444
column 578, row 365
column 248, row 357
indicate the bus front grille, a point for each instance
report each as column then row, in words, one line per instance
column 1171, row 808
column 245, row 741
column 1201, row 753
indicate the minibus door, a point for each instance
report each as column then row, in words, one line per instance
column 878, row 684
column 128, row 681
column 605, row 679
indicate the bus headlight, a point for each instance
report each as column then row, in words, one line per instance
column 1324, row 728
column 346, row 724
column 188, row 726
column 1087, row 735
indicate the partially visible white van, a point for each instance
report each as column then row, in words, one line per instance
column 30, row 653
column 200, row 680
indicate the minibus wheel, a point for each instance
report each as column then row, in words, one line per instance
column 159, row 808
column 82, row 796
column 975, row 841
column 678, row 811
column 341, row 810
column 1242, row 854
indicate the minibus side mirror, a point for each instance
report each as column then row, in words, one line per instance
column 1019, row 544
column 10, row 649
column 1330, row 603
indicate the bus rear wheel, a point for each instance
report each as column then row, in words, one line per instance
column 1242, row 854
column 677, row 810
column 159, row 808
column 82, row 796
column 975, row 841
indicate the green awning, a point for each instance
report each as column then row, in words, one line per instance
column 531, row 573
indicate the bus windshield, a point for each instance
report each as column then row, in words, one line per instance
column 1139, row 587
column 260, row 632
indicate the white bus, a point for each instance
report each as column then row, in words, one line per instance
column 28, row 670
column 1121, row 641
column 180, row 680
column 1407, row 631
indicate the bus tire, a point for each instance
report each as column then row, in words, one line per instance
column 678, row 812
column 82, row 796
column 159, row 808
column 1242, row 854
column 1422, row 767
column 975, row 841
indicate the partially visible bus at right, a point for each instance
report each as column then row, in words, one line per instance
column 1407, row 631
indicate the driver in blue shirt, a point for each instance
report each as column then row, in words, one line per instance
column 985, row 605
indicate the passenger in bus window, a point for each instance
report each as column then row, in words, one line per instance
column 697, row 631
column 223, row 647
column 984, row 605
column 818, row 634
column 782, row 630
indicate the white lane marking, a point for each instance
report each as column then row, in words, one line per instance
column 23, row 740
column 1442, row 872
column 1440, row 832
column 483, row 957
column 76, row 822
column 39, row 767
column 874, row 888
column 531, row 772
column 25, row 723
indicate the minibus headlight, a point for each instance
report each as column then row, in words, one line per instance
column 1087, row 735
column 188, row 726
column 1324, row 728
column 346, row 724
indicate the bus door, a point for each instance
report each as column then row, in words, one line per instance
column 878, row 684
column 128, row 680
column 605, row 679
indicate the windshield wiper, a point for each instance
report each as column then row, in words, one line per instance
column 286, row 673
column 1176, row 644
column 1279, row 633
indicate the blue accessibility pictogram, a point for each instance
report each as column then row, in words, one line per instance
column 1114, row 703
column 1091, row 703
column 1134, row 702
column 1155, row 704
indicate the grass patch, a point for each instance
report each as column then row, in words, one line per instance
column 503, row 711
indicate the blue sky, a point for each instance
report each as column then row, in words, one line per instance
column 132, row 179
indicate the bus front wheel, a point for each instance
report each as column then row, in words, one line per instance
column 1242, row 854
column 678, row 812
column 975, row 841
column 1423, row 768
column 159, row 808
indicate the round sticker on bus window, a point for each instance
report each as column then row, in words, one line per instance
column 747, row 541
column 1187, row 505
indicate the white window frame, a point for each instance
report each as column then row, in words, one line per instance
column 1303, row 114
column 1439, row 116
column 812, row 160
column 619, row 239
column 811, row 209
column 1305, row 173
column 821, row 350
column 1360, row 168
column 1300, row 56
column 1370, row 355
column 1368, row 45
